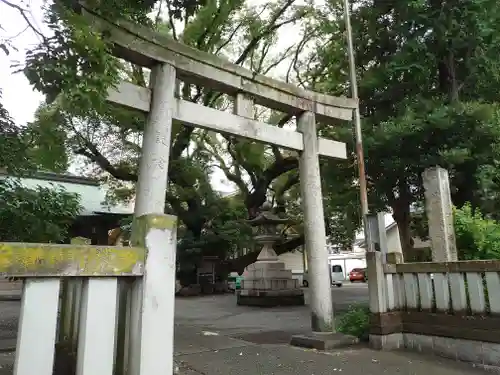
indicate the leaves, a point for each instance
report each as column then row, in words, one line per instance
column 73, row 63
column 13, row 155
column 427, row 85
column 477, row 237
column 41, row 214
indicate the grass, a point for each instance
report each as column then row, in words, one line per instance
column 355, row 322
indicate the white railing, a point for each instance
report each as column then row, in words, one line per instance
column 85, row 309
column 469, row 288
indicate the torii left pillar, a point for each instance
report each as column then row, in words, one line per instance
column 151, row 331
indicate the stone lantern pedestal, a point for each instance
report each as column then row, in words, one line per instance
column 267, row 282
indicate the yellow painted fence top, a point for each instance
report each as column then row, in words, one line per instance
column 53, row 260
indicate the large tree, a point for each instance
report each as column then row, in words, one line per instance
column 74, row 68
column 428, row 79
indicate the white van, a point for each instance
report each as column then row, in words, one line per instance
column 336, row 276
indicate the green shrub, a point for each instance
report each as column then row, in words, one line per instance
column 38, row 214
column 477, row 236
column 355, row 322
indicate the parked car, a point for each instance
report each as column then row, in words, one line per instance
column 336, row 276
column 358, row 274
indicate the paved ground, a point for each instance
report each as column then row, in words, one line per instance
column 215, row 336
column 201, row 353
column 221, row 313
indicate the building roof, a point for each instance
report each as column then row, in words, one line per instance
column 92, row 194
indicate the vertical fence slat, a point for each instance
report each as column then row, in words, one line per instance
column 397, row 298
column 411, row 290
column 493, row 289
column 64, row 326
column 77, row 285
column 70, row 309
column 37, row 327
column 425, row 289
column 442, row 291
column 96, row 341
column 122, row 330
column 458, row 296
column 391, row 292
column 134, row 308
column 401, row 291
column 476, row 292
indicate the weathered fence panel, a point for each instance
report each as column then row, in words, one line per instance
column 97, row 336
column 37, row 327
column 449, row 287
column 70, row 301
column 493, row 290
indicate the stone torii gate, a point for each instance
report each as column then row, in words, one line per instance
column 141, row 343
column 171, row 61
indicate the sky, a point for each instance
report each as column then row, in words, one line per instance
column 18, row 96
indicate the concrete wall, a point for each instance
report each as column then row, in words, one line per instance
column 483, row 355
column 394, row 241
column 293, row 261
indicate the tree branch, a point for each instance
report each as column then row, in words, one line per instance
column 272, row 26
column 96, row 157
column 208, row 29
column 258, row 196
column 25, row 16
column 171, row 20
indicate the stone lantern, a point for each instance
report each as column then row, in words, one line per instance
column 267, row 282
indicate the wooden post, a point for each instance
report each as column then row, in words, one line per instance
column 385, row 326
column 374, row 263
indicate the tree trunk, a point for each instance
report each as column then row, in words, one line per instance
column 402, row 217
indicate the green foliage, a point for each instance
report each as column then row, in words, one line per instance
column 73, row 64
column 224, row 235
column 137, row 10
column 477, row 237
column 428, row 83
column 47, row 143
column 355, row 322
column 39, row 145
column 40, row 214
column 12, row 148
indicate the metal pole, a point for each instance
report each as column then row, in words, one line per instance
column 357, row 126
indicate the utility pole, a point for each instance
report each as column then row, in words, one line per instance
column 357, row 128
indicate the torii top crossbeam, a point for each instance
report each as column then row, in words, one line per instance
column 147, row 48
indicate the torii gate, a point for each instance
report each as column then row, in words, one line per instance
column 144, row 308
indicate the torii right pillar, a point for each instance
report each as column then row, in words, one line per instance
column 323, row 335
